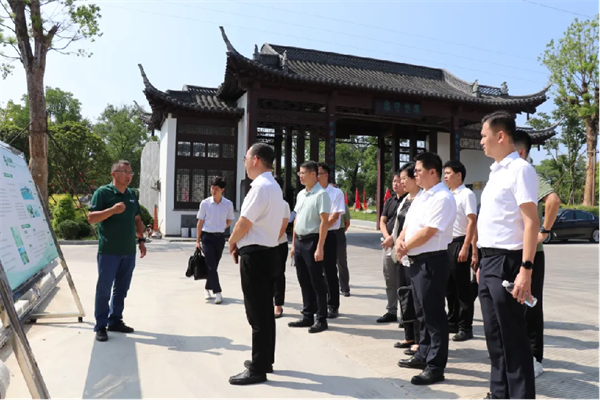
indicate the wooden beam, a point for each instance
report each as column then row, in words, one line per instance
column 433, row 141
column 300, row 156
column 278, row 143
column 380, row 175
column 331, row 133
column 292, row 95
column 314, row 145
column 289, row 169
column 395, row 150
column 413, row 143
column 455, row 138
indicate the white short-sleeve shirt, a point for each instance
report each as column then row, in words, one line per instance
column 512, row 182
column 263, row 206
column 337, row 204
column 466, row 204
column 434, row 208
column 215, row 215
column 286, row 214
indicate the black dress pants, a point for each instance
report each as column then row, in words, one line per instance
column 461, row 305
column 212, row 247
column 282, row 250
column 534, row 316
column 311, row 278
column 429, row 278
column 331, row 271
column 257, row 269
column 505, row 330
column 407, row 304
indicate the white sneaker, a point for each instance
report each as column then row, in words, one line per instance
column 207, row 295
column 218, row 298
column 537, row 368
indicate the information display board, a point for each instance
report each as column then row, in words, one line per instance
column 26, row 243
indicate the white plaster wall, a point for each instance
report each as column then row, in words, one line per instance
column 443, row 146
column 168, row 220
column 149, row 174
column 477, row 165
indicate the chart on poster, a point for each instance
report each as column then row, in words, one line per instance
column 26, row 243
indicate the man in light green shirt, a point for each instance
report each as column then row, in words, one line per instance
column 310, row 230
column 551, row 203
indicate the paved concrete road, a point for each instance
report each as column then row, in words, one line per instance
column 187, row 347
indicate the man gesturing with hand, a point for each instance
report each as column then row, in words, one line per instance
column 115, row 208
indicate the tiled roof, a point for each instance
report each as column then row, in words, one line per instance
column 347, row 71
column 538, row 136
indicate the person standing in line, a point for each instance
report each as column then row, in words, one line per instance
column 115, row 208
column 462, row 253
column 534, row 316
column 336, row 197
column 215, row 214
column 282, row 249
column 424, row 239
column 507, row 230
column 308, row 242
column 342, row 252
column 253, row 243
column 411, row 324
column 390, row 268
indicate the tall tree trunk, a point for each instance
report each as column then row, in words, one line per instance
column 590, row 173
column 38, row 141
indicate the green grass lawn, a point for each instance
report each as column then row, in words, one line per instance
column 362, row 216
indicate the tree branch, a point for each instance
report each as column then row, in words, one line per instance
column 18, row 8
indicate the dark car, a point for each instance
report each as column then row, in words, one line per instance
column 574, row 224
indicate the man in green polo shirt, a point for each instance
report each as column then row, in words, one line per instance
column 115, row 208
column 549, row 201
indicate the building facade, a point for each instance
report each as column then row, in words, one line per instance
column 295, row 99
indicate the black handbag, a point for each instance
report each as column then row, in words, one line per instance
column 197, row 266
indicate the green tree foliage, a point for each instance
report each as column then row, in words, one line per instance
column 573, row 65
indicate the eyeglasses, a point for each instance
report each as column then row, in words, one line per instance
column 125, row 172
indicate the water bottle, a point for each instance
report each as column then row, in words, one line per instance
column 388, row 251
column 509, row 286
column 405, row 261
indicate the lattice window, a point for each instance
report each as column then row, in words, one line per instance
column 198, row 185
column 183, row 149
column 182, row 185
column 206, row 130
column 199, row 149
column 228, row 151
column 229, row 178
column 213, row 150
column 490, row 90
column 472, row 144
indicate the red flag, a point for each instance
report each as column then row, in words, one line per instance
column 357, row 201
column 388, row 195
column 364, row 199
column 346, row 198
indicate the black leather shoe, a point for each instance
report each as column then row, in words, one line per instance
column 346, row 294
column 490, row 396
column 301, row 323
column 412, row 363
column 101, row 335
column 387, row 317
column 403, row 345
column 247, row 378
column 120, row 327
column 461, row 336
column 332, row 312
column 410, row 352
column 319, row 326
column 427, row 377
column 452, row 328
column 248, row 363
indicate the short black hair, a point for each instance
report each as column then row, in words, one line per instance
column 409, row 168
column 457, row 167
column 522, row 138
column 264, row 153
column 218, row 181
column 501, row 120
column 430, row 161
column 310, row 166
column 325, row 167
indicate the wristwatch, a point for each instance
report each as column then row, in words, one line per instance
column 141, row 240
column 544, row 230
column 527, row 265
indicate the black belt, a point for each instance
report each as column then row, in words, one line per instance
column 213, row 233
column 422, row 256
column 459, row 239
column 490, row 252
column 307, row 237
column 253, row 248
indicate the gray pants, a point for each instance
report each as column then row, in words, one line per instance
column 342, row 261
column 392, row 282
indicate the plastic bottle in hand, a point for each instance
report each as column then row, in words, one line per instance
column 509, row 286
column 388, row 251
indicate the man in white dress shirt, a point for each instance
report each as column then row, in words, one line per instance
column 254, row 240
column 425, row 238
column 507, row 230
column 336, row 197
column 215, row 214
column 462, row 253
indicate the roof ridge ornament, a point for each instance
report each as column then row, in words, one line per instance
column 284, row 62
column 226, row 40
column 144, row 77
column 504, row 89
column 475, row 88
column 256, row 53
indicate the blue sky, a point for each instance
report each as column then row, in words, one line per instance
column 178, row 42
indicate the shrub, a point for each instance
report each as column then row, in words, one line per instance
column 68, row 230
column 146, row 217
column 85, row 229
column 64, row 211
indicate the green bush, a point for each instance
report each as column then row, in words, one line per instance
column 591, row 209
column 85, row 229
column 146, row 217
column 68, row 230
column 64, row 211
